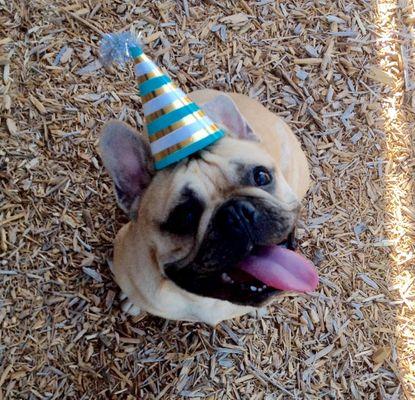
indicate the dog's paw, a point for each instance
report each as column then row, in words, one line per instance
column 259, row 312
column 128, row 307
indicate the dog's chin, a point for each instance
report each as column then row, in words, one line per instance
column 232, row 284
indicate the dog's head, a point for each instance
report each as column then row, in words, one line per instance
column 217, row 224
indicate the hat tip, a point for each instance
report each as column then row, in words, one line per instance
column 119, row 47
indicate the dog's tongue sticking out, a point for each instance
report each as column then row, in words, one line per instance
column 282, row 269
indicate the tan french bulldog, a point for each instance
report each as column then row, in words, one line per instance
column 210, row 237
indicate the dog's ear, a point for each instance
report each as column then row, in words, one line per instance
column 223, row 110
column 127, row 157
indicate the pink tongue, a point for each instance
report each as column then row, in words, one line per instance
column 282, row 269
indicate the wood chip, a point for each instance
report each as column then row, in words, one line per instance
column 39, row 106
column 381, row 76
column 320, row 354
column 308, row 61
column 93, row 274
column 380, row 355
column 235, row 19
column 11, row 126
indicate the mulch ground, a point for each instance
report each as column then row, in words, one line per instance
column 340, row 73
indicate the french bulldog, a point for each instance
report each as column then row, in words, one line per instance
column 210, row 238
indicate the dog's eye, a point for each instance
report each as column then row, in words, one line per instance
column 262, row 176
column 184, row 219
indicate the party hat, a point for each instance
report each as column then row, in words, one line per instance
column 176, row 126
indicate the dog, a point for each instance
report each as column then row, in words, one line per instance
column 210, row 238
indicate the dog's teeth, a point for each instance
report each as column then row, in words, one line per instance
column 227, row 278
column 253, row 288
column 260, row 289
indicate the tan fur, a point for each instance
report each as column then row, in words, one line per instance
column 275, row 135
column 138, row 251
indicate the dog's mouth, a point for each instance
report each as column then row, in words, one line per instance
column 268, row 270
column 277, row 267
column 264, row 272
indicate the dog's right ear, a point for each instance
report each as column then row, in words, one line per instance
column 127, row 157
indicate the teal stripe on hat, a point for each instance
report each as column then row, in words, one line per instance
column 187, row 151
column 153, row 84
column 172, row 117
column 135, row 52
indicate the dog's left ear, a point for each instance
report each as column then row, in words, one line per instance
column 127, row 157
column 223, row 110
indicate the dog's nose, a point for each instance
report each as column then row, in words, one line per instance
column 236, row 214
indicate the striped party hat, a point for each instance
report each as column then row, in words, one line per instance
column 176, row 126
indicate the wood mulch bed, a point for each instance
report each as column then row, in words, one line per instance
column 332, row 70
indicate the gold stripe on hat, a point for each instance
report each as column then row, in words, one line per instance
column 141, row 58
column 168, row 87
column 212, row 128
column 199, row 135
column 174, row 105
column 149, row 75
column 187, row 120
